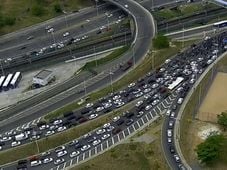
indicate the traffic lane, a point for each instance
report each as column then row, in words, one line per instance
column 58, row 23
column 57, row 37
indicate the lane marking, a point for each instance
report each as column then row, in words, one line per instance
column 112, row 140
column 101, row 147
column 71, row 162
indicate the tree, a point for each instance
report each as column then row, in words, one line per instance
column 57, row 8
column 222, row 120
column 37, row 10
column 209, row 150
column 160, row 41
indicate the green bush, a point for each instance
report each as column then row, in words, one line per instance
column 160, row 41
column 57, row 8
column 9, row 20
column 37, row 10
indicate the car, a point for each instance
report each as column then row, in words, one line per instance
column 139, row 103
column 139, row 94
column 169, row 133
column 96, row 142
column 47, row 160
column 91, row 139
column 126, row 6
column 57, row 122
column 66, row 34
column 43, row 127
column 0, row 147
column 129, row 122
column 61, row 153
column 147, row 90
column 171, row 123
column 174, row 107
column 53, row 127
column 169, row 140
column 116, row 97
column 59, row 161
column 139, row 114
column 181, row 167
column 106, row 125
column 15, row 143
column 74, row 153
column 131, row 85
column 5, row 139
column 61, row 128
column 50, row 132
column 93, row 116
column 36, row 163
column 98, row 109
column 110, row 128
column 177, row 158
column 85, row 147
column 116, row 118
column 171, row 149
column 105, row 136
column 180, row 101
column 45, row 153
column 50, row 30
column 148, row 107
column 30, row 37
column 34, row 137
column 154, row 85
column 155, row 102
column 60, row 148
column 120, row 104
column 72, row 143
column 100, row 131
column 168, row 112
column 172, row 115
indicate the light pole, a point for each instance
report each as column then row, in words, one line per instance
column 111, row 80
column 37, row 146
column 96, row 5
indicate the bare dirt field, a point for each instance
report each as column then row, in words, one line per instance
column 215, row 101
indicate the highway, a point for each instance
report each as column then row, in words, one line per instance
column 141, row 47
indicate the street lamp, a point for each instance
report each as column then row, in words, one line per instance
column 111, row 80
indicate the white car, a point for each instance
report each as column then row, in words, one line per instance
column 107, row 105
column 50, row 132
column 120, row 104
column 172, row 115
column 168, row 112
column 96, row 142
column 177, row 159
column 93, row 116
column 148, row 107
column 154, row 85
column 15, row 143
column 88, row 105
column 180, row 101
column 116, row 97
column 169, row 133
column 36, row 163
column 57, row 122
column 47, row 160
column 50, row 30
column 60, row 148
column 116, row 118
column 43, row 127
column 139, row 94
column 66, row 34
column 85, row 147
column 126, row 6
column 61, row 128
column 106, row 125
column 100, row 131
column 139, row 103
column 155, row 102
column 99, row 109
column 59, row 161
column 6, row 138
column 169, row 140
column 61, row 153
column 131, row 85
column 105, row 136
column 74, row 153
column 110, row 128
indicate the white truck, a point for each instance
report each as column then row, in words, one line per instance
column 21, row 136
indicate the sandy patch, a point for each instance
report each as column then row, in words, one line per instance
column 215, row 101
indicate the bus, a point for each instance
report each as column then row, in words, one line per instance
column 220, row 24
column 175, row 83
column 5, row 85
column 2, row 78
column 16, row 79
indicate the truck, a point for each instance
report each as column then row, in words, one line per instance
column 126, row 66
column 21, row 136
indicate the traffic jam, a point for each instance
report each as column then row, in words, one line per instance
column 176, row 74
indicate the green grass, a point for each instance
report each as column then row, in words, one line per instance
column 114, row 55
column 131, row 156
column 21, row 10
column 146, row 65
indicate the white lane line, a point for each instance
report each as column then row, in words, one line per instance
column 89, row 153
column 142, row 121
column 64, row 165
column 83, row 155
column 133, row 127
column 77, row 159
column 147, row 118
column 159, row 109
column 118, row 137
column 58, row 167
column 112, row 140
column 151, row 114
column 71, row 162
column 138, row 124
column 107, row 143
column 123, row 134
column 95, row 150
column 128, row 130
column 101, row 147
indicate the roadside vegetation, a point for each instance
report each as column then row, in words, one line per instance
column 182, row 11
column 132, row 154
column 17, row 14
column 160, row 42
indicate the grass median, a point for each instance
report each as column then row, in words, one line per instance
column 146, row 65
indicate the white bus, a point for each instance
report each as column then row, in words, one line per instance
column 175, row 83
column 5, row 85
column 16, row 79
